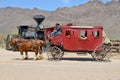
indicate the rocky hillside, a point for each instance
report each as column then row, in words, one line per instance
column 11, row 17
column 91, row 13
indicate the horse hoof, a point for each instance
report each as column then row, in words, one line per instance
column 40, row 57
column 35, row 59
column 21, row 59
column 25, row 58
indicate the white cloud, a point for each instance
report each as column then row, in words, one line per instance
column 66, row 1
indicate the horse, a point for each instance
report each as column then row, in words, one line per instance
column 25, row 45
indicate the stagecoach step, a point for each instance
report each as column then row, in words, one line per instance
column 82, row 53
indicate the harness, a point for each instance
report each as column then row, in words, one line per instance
column 15, row 47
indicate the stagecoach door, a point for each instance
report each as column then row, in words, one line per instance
column 95, row 39
column 82, row 40
column 69, row 40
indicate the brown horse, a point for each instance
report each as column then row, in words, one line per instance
column 28, row 45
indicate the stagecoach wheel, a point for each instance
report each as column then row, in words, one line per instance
column 54, row 53
column 101, row 53
column 8, row 46
column 49, row 55
column 62, row 54
column 108, row 51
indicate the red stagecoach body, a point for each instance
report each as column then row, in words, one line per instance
column 77, row 38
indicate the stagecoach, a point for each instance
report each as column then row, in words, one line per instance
column 72, row 38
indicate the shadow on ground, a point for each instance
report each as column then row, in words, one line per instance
column 70, row 59
column 19, row 59
column 78, row 59
column 83, row 59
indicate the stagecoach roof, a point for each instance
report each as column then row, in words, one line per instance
column 82, row 26
column 26, row 26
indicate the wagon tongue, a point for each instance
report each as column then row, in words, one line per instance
column 39, row 19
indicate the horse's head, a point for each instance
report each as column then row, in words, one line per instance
column 14, row 41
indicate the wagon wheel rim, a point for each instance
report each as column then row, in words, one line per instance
column 49, row 53
column 54, row 53
column 101, row 53
column 8, row 45
column 108, row 52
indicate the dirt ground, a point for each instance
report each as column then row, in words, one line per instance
column 71, row 67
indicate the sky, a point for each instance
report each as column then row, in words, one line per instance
column 49, row 5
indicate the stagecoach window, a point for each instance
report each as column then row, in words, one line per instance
column 96, row 34
column 67, row 33
column 83, row 34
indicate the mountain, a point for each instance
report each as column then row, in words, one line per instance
column 11, row 17
column 94, row 12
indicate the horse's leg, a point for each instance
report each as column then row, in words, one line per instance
column 26, row 55
column 36, row 53
column 40, row 53
column 22, row 57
